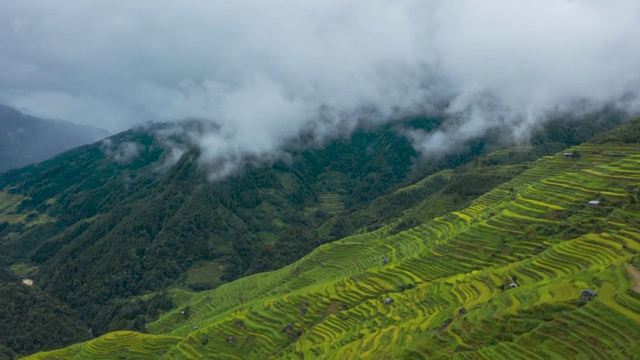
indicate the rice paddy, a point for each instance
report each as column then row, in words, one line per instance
column 529, row 270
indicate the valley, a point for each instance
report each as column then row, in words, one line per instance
column 527, row 270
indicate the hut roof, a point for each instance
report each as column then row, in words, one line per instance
column 589, row 292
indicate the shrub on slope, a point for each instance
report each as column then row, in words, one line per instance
column 33, row 321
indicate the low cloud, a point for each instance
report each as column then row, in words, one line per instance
column 265, row 72
column 122, row 153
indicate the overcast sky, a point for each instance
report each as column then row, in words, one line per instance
column 264, row 70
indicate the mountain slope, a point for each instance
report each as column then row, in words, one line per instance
column 102, row 229
column 450, row 281
column 26, row 139
column 32, row 320
column 108, row 228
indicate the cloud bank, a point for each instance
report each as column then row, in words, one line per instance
column 265, row 71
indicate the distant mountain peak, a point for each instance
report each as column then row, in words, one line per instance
column 26, row 139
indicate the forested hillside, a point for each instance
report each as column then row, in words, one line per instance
column 545, row 265
column 111, row 229
column 33, row 321
column 102, row 226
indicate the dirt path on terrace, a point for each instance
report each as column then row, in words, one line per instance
column 635, row 273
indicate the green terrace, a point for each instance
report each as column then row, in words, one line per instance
column 117, row 345
column 540, row 267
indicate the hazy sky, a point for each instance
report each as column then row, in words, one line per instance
column 264, row 70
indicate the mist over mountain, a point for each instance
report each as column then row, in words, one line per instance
column 26, row 139
column 119, row 236
column 267, row 72
column 320, row 179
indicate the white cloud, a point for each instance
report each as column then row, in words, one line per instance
column 266, row 70
column 121, row 153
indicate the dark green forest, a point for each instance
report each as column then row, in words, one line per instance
column 32, row 321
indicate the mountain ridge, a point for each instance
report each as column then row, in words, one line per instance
column 72, row 213
column 26, row 139
column 82, row 203
column 529, row 269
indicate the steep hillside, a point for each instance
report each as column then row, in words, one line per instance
column 33, row 321
column 26, row 139
column 530, row 269
column 110, row 228
column 113, row 220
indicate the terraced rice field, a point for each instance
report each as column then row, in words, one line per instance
column 501, row 279
column 8, row 205
column 205, row 274
column 116, row 345
column 8, row 211
column 331, row 203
